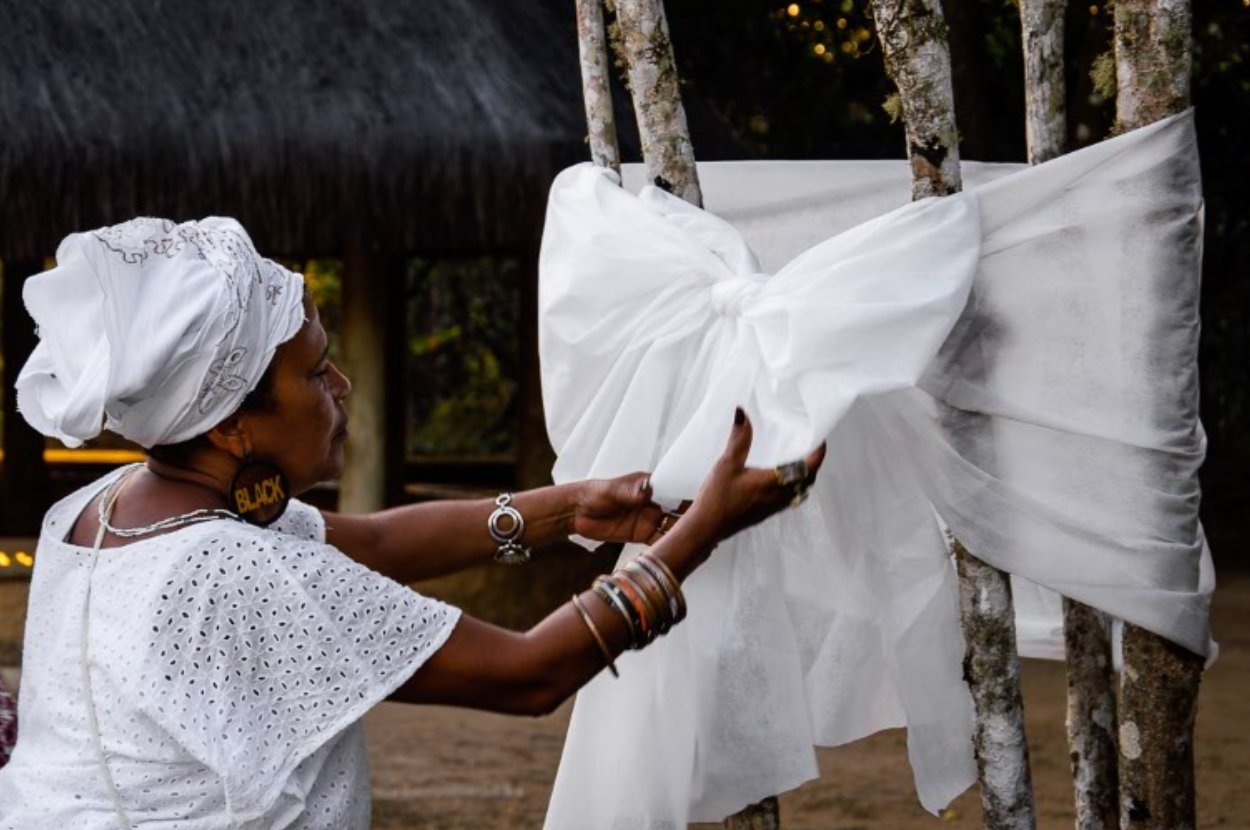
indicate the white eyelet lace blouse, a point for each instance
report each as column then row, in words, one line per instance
column 230, row 667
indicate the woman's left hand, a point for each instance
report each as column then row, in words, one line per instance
column 616, row 509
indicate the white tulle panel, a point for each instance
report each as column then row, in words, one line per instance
column 1018, row 360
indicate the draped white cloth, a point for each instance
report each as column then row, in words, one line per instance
column 153, row 330
column 1019, row 360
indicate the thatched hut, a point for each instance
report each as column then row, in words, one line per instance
column 369, row 130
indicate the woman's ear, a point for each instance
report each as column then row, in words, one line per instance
column 231, row 436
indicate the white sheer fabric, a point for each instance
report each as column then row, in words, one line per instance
column 1019, row 360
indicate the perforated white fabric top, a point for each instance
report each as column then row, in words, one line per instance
column 230, row 666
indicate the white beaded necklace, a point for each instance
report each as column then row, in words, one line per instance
column 105, row 511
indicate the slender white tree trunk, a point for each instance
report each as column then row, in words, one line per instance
column 1045, row 111
column 917, row 58
column 1153, row 60
column 1159, row 682
column 1091, row 716
column 669, row 156
column 596, row 87
column 656, row 89
column 1087, row 631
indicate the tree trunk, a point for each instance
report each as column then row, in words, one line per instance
column 669, row 156
column 917, row 58
column 1159, row 683
column 765, row 815
column 1091, row 716
column 655, row 87
column 992, row 669
column 1086, row 631
column 1045, row 116
column 596, row 89
column 1153, row 60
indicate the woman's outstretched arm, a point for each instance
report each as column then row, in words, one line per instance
column 482, row 666
column 422, row 541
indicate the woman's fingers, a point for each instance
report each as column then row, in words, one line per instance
column 814, row 459
column 740, row 438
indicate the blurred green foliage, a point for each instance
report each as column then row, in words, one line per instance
column 324, row 279
column 463, row 320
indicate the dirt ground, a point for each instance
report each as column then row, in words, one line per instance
column 447, row 769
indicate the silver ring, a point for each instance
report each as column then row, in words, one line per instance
column 792, row 473
column 800, row 496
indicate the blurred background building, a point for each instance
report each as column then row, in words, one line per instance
column 399, row 153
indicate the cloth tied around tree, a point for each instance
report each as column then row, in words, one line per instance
column 1018, row 359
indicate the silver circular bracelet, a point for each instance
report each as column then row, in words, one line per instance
column 511, row 551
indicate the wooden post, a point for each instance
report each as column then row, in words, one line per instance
column 596, row 85
column 1159, row 682
column 369, row 281
column 24, row 475
column 655, row 87
column 1087, row 632
column 917, row 58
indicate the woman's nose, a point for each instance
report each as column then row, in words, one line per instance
column 342, row 386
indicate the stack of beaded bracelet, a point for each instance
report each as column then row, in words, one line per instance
column 647, row 595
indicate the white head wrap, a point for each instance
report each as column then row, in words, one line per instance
column 153, row 330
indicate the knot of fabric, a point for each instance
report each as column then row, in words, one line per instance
column 730, row 296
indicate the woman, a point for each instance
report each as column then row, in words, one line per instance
column 187, row 665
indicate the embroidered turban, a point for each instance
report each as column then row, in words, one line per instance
column 153, row 330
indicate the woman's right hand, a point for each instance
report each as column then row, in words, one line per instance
column 485, row 667
column 734, row 496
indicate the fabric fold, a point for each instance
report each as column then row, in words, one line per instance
column 1016, row 363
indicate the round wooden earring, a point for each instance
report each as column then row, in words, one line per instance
column 259, row 492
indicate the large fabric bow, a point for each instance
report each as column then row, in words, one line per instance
column 1019, row 360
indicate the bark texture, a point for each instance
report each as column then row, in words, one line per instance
column 669, row 156
column 596, row 89
column 1158, row 700
column 1091, row 716
column 1087, row 632
column 917, row 58
column 1159, row 682
column 765, row 815
column 1153, row 60
column 653, row 81
column 914, row 44
column 1045, row 112
column 992, row 669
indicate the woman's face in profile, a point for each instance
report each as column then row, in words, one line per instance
column 304, row 429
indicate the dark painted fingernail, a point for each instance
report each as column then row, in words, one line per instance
column 739, row 416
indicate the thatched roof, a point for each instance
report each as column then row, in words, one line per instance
column 420, row 123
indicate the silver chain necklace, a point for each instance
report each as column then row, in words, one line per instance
column 203, row 514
